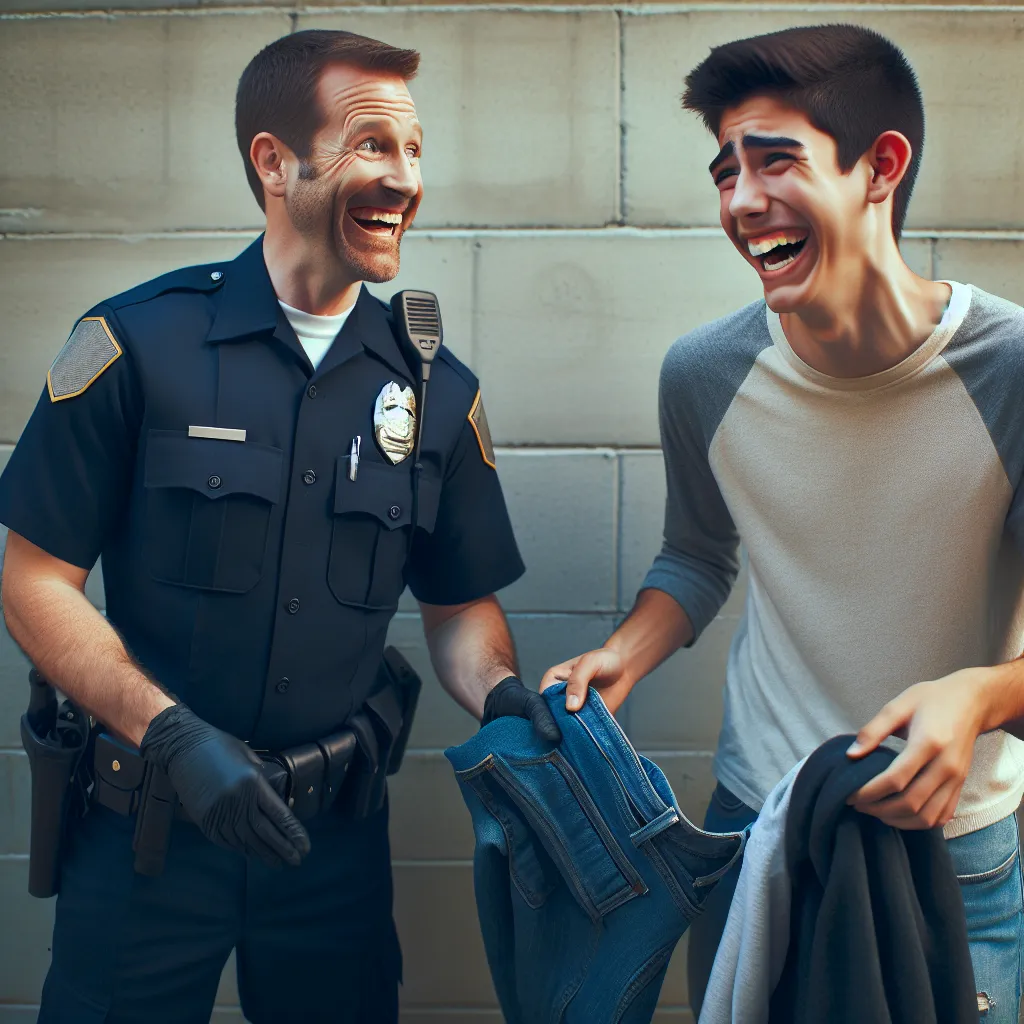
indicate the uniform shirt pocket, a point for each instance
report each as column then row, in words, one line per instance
column 370, row 532
column 208, row 508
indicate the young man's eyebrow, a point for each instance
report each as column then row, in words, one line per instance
column 755, row 142
column 770, row 142
column 723, row 154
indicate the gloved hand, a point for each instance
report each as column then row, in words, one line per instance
column 220, row 782
column 511, row 699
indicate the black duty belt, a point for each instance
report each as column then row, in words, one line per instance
column 308, row 777
column 346, row 770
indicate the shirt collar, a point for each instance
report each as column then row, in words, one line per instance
column 249, row 306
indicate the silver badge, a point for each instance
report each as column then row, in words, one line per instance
column 394, row 421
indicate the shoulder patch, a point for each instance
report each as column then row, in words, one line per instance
column 91, row 349
column 478, row 420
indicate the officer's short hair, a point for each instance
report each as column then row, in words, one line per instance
column 277, row 90
column 850, row 82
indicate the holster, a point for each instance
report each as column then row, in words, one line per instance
column 54, row 734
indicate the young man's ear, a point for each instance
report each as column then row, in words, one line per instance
column 269, row 155
column 889, row 157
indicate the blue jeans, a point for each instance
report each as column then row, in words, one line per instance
column 586, row 872
column 987, row 864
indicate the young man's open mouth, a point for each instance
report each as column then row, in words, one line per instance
column 778, row 250
column 376, row 221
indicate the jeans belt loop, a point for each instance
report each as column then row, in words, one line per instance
column 668, row 818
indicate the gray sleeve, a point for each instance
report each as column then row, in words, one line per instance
column 698, row 562
column 987, row 353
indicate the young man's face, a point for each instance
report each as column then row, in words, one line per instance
column 360, row 188
column 785, row 205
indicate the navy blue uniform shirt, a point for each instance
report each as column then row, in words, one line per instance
column 253, row 578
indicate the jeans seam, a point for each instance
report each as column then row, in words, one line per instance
column 534, row 900
column 687, row 907
column 1020, row 915
column 641, row 979
column 557, row 848
column 600, row 826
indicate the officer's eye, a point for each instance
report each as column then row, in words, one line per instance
column 413, row 152
column 369, row 146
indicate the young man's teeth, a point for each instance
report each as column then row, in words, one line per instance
column 784, row 262
column 765, row 245
column 387, row 218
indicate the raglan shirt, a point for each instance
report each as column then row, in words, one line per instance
column 883, row 523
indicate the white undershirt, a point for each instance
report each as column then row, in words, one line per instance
column 315, row 333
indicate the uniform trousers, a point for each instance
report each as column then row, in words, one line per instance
column 313, row 943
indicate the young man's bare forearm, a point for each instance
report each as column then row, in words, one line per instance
column 1003, row 698
column 654, row 630
column 471, row 650
column 72, row 644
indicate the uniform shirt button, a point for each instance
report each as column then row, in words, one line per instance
column 214, row 482
column 309, row 477
column 282, row 686
column 311, row 391
column 394, row 512
column 293, row 605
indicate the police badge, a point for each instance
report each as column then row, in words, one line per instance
column 394, row 421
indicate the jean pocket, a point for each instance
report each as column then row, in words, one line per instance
column 727, row 801
column 993, row 877
column 564, row 819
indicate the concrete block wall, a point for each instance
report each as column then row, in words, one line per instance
column 569, row 230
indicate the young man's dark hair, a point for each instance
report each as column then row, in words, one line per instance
column 277, row 90
column 850, row 82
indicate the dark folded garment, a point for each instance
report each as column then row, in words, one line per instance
column 878, row 932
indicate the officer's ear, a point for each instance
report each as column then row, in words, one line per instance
column 269, row 156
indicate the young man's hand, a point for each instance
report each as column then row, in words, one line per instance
column 940, row 720
column 603, row 669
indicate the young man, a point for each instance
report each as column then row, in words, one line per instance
column 861, row 432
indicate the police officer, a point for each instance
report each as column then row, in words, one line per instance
column 236, row 442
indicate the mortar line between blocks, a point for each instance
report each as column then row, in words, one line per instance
column 605, row 231
column 475, row 313
column 623, row 201
column 641, row 10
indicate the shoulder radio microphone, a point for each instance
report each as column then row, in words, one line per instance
column 417, row 319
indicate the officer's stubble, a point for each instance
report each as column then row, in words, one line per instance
column 311, row 207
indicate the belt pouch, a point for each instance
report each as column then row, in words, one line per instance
column 120, row 772
column 367, row 783
column 157, row 807
column 338, row 750
column 305, row 766
column 403, row 690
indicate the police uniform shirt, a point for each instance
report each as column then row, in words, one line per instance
column 253, row 578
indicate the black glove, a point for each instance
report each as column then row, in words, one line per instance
column 220, row 782
column 511, row 699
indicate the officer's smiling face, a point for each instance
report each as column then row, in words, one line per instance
column 360, row 188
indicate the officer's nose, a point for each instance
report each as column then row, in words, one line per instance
column 403, row 176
